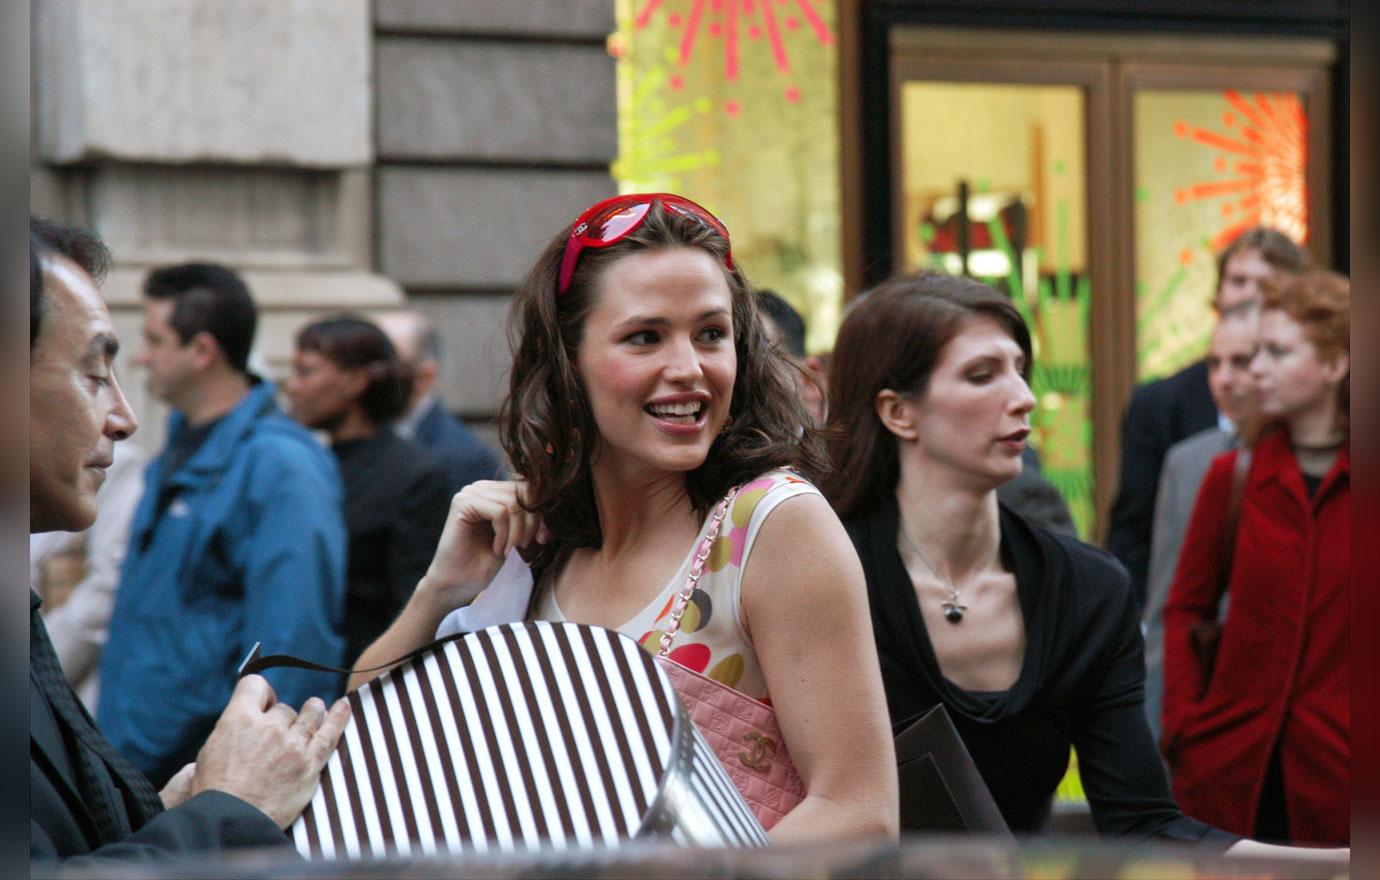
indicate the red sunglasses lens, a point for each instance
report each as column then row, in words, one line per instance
column 610, row 227
column 607, row 222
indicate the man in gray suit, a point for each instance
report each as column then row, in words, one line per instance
column 1229, row 356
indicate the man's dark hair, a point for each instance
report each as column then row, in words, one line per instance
column 208, row 298
column 50, row 238
column 1276, row 248
column 786, row 319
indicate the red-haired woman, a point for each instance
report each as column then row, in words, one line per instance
column 1263, row 745
column 643, row 388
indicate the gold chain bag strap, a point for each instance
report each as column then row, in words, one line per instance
column 743, row 732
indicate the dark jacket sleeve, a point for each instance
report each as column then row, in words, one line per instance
column 478, row 462
column 210, row 822
column 1117, row 760
column 1142, row 455
column 415, row 532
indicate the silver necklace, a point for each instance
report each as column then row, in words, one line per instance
column 953, row 608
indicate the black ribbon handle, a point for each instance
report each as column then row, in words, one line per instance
column 256, row 662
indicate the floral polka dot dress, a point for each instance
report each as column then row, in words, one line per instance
column 712, row 640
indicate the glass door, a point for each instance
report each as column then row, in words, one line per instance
column 1214, row 151
column 995, row 173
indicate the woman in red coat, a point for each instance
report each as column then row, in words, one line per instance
column 1262, row 745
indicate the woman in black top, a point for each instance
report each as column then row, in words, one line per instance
column 347, row 381
column 1029, row 638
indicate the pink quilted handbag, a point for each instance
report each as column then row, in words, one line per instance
column 742, row 731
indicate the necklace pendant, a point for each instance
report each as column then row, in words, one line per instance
column 953, row 612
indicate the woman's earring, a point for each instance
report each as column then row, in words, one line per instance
column 550, row 450
column 728, row 422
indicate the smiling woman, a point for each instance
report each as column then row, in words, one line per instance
column 658, row 360
column 661, row 441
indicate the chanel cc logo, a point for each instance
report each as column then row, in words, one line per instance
column 762, row 748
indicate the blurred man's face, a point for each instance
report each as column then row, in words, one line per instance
column 76, row 408
column 1234, row 342
column 171, row 364
column 1242, row 278
column 405, row 331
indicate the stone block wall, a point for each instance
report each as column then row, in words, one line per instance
column 239, row 131
column 496, row 124
column 343, row 154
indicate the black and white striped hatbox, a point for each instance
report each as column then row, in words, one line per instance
column 518, row 737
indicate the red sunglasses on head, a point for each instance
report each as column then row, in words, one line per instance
column 609, row 221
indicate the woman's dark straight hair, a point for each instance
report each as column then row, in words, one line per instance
column 891, row 338
column 352, row 342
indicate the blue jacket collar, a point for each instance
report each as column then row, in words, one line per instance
column 214, row 454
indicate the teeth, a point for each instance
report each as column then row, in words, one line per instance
column 675, row 409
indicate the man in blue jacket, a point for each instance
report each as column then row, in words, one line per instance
column 239, row 538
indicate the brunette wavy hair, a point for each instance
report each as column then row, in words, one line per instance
column 1319, row 301
column 892, row 338
column 354, row 343
column 546, row 425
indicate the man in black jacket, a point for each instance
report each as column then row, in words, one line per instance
column 1163, row 412
column 261, row 763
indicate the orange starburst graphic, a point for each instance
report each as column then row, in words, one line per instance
column 1262, row 154
column 732, row 20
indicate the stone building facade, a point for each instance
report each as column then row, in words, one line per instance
column 343, row 154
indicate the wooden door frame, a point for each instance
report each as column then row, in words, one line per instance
column 864, row 29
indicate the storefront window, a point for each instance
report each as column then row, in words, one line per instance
column 1208, row 165
column 733, row 104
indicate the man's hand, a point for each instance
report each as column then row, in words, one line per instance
column 263, row 752
column 179, row 788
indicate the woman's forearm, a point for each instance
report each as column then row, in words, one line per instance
column 414, row 627
column 819, row 817
column 1339, row 856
